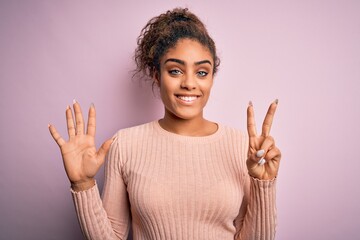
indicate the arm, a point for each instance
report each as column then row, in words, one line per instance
column 82, row 161
column 257, row 215
column 108, row 218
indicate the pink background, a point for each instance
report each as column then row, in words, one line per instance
column 306, row 53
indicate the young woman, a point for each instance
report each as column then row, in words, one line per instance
column 181, row 177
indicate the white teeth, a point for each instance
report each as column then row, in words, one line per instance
column 187, row 98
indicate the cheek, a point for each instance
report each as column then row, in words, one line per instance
column 206, row 86
column 167, row 86
column 166, row 92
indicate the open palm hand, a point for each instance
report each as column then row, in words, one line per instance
column 81, row 159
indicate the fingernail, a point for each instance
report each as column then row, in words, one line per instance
column 49, row 125
column 67, row 107
column 260, row 153
column 74, row 101
column 250, row 103
column 261, row 161
column 276, row 101
column 92, row 105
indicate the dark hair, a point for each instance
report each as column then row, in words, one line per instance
column 162, row 33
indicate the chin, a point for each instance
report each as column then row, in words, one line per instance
column 186, row 115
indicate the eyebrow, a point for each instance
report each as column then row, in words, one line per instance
column 183, row 62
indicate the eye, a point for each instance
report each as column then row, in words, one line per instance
column 202, row 73
column 175, row 72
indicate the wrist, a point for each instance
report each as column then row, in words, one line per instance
column 263, row 177
column 83, row 185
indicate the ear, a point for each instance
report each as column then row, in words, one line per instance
column 156, row 78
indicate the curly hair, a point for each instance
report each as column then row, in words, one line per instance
column 162, row 33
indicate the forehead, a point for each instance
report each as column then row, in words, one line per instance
column 189, row 51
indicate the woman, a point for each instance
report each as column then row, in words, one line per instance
column 182, row 177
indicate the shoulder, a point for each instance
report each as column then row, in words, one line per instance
column 232, row 131
column 135, row 133
column 129, row 140
column 233, row 134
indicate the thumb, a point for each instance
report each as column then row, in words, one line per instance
column 104, row 149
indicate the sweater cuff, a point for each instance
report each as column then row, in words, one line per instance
column 263, row 206
column 83, row 191
column 264, row 184
column 88, row 207
column 263, row 195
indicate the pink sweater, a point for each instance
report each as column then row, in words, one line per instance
column 169, row 186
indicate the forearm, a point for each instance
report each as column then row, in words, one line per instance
column 260, row 219
column 92, row 215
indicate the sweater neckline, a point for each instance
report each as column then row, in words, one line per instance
column 197, row 139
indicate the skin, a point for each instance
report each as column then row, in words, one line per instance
column 264, row 142
column 185, row 69
column 80, row 157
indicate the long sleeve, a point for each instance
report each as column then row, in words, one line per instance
column 257, row 216
column 109, row 217
column 171, row 186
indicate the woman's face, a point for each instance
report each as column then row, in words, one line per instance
column 186, row 78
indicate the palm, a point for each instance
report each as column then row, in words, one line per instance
column 80, row 157
column 262, row 165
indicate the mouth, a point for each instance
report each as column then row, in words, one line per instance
column 187, row 98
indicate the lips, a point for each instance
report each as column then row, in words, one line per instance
column 187, row 98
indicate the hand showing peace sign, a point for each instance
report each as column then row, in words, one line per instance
column 263, row 156
column 81, row 160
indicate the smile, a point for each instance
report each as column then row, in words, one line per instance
column 187, row 99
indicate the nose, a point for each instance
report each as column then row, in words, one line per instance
column 188, row 82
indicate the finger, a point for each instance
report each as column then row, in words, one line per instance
column 91, row 126
column 251, row 127
column 78, row 118
column 70, row 122
column 273, row 154
column 268, row 119
column 258, row 156
column 267, row 144
column 58, row 139
column 104, row 149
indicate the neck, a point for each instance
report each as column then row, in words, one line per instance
column 197, row 126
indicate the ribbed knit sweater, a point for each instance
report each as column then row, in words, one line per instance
column 170, row 186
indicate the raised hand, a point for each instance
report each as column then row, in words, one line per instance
column 81, row 159
column 263, row 156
